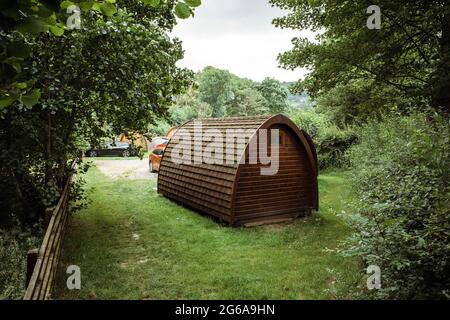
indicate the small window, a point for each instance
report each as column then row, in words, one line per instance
column 158, row 152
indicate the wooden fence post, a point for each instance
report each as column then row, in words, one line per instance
column 31, row 263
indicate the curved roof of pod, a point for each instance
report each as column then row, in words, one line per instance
column 207, row 186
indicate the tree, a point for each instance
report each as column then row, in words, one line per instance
column 21, row 22
column 398, row 167
column 247, row 102
column 411, row 51
column 216, row 89
column 231, row 95
column 358, row 101
column 115, row 73
column 187, row 106
column 275, row 94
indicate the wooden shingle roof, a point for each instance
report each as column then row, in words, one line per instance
column 210, row 187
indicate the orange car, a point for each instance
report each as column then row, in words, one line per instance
column 155, row 156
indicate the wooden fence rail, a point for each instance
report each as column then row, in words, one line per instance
column 45, row 262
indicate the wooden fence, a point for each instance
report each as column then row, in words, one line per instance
column 42, row 264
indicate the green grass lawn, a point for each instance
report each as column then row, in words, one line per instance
column 132, row 243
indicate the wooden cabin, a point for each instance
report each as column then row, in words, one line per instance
column 135, row 138
column 171, row 132
column 241, row 192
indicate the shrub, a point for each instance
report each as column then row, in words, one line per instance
column 14, row 245
column 401, row 177
column 332, row 146
column 330, row 141
column 159, row 129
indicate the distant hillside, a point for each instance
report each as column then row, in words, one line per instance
column 297, row 100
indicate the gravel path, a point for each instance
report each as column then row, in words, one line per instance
column 126, row 169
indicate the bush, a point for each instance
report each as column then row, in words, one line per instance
column 14, row 245
column 310, row 121
column 330, row 141
column 333, row 143
column 400, row 171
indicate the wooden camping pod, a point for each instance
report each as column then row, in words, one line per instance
column 171, row 132
column 237, row 191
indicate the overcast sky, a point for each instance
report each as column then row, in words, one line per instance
column 237, row 35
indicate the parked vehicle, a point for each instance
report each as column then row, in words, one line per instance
column 121, row 149
column 154, row 158
column 158, row 141
column 157, row 147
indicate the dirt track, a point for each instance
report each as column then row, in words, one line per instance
column 125, row 169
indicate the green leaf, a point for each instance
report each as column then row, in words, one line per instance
column 421, row 242
column 193, row 3
column 182, row 10
column 31, row 98
column 392, row 222
column 6, row 101
column 96, row 6
column 21, row 85
column 51, row 21
column 152, row 3
column 57, row 31
column 66, row 4
column 86, row 5
column 19, row 49
column 108, row 9
column 10, row 67
column 32, row 25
